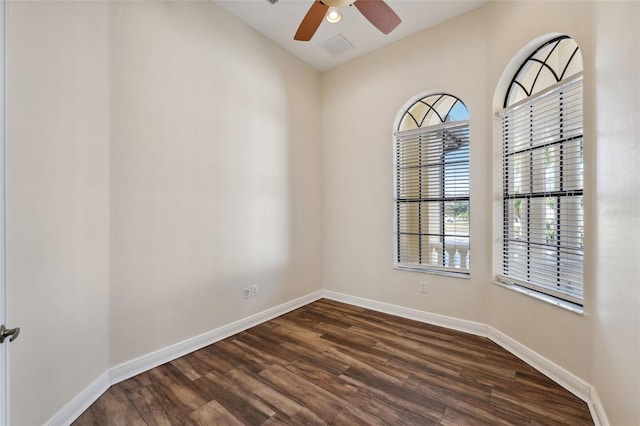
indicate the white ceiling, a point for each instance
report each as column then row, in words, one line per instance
column 280, row 21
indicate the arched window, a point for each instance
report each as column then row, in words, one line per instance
column 542, row 179
column 432, row 186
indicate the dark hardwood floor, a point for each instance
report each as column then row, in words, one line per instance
column 336, row 364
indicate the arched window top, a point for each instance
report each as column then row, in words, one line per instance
column 431, row 110
column 554, row 61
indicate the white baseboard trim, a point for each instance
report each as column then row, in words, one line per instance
column 77, row 405
column 597, row 410
column 70, row 412
column 414, row 314
column 564, row 378
column 144, row 363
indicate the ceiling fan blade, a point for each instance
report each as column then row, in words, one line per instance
column 379, row 14
column 311, row 21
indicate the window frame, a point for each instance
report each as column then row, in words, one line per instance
column 426, row 138
column 565, row 294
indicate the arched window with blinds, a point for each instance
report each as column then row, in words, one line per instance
column 542, row 174
column 431, row 191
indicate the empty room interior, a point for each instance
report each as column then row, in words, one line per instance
column 173, row 177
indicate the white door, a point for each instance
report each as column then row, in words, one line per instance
column 4, row 368
column 8, row 334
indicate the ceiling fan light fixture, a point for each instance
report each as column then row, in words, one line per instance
column 333, row 16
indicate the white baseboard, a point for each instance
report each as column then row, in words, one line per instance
column 144, row 363
column 70, row 412
column 597, row 410
column 441, row 320
column 77, row 405
column 564, row 378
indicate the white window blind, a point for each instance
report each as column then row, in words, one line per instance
column 432, row 198
column 542, row 190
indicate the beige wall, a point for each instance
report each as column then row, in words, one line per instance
column 466, row 57
column 361, row 101
column 58, row 202
column 616, row 284
column 216, row 183
column 216, row 178
column 162, row 156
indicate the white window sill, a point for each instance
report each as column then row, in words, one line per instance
column 463, row 275
column 572, row 307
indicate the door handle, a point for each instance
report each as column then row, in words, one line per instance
column 12, row 333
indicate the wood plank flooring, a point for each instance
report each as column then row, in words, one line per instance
column 329, row 363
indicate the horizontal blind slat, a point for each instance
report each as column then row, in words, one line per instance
column 542, row 178
column 432, row 176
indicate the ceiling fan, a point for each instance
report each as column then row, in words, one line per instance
column 376, row 11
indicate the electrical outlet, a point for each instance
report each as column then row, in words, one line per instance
column 247, row 292
column 254, row 290
column 423, row 286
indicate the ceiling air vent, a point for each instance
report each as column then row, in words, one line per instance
column 337, row 44
column 273, row 1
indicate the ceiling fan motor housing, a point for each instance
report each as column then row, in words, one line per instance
column 338, row 3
